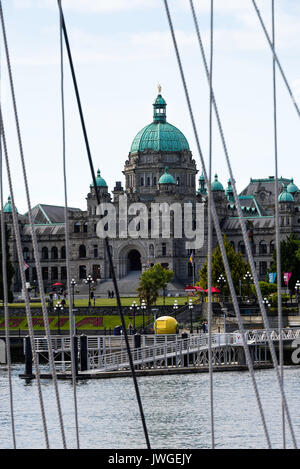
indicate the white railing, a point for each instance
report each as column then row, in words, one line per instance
column 160, row 351
column 110, row 353
column 260, row 336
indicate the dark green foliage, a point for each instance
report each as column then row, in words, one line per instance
column 290, row 259
column 153, row 280
column 237, row 266
column 9, row 269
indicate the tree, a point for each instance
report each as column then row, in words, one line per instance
column 9, row 269
column 238, row 267
column 290, row 259
column 153, row 280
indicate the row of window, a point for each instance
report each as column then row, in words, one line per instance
column 52, row 273
column 53, row 254
column 262, row 247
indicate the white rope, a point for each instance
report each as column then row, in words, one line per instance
column 245, row 238
column 23, row 281
column 276, row 58
column 218, row 232
column 5, row 303
column 277, row 227
column 33, row 235
column 71, row 305
column 209, row 246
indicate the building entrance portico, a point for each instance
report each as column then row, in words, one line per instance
column 132, row 258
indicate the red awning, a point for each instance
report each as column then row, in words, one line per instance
column 57, row 284
column 213, row 290
column 190, row 288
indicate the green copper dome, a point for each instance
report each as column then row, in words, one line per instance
column 292, row 188
column 99, row 180
column 216, row 185
column 166, row 178
column 159, row 135
column 8, row 206
column 285, row 196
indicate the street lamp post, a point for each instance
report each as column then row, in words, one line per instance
column 89, row 281
column 58, row 309
column 221, row 282
column 143, row 307
column 267, row 303
column 297, row 287
column 191, row 307
column 175, row 307
column 134, row 307
column 247, row 277
column 73, row 284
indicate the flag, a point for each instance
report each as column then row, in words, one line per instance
column 26, row 266
column 272, row 277
column 286, row 277
column 191, row 258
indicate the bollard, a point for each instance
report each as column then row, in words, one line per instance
column 28, row 356
column 184, row 335
column 75, row 346
column 137, row 340
column 84, row 366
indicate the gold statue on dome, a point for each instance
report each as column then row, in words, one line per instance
column 159, row 88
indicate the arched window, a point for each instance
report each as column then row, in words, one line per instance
column 142, row 181
column 77, row 227
column 242, row 247
column 85, row 227
column 154, row 181
column 45, row 254
column 272, row 247
column 26, row 254
column 54, row 253
column 82, row 250
column 148, row 181
column 151, row 250
column 63, row 252
column 263, row 247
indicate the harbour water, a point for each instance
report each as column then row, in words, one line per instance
column 177, row 411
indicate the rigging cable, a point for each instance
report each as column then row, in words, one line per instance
column 218, row 230
column 106, row 239
column 209, row 247
column 276, row 58
column 245, row 238
column 33, row 234
column 277, row 226
column 23, row 281
column 5, row 260
column 66, row 220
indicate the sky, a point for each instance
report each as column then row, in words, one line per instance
column 121, row 51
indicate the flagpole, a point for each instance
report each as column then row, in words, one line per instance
column 193, row 273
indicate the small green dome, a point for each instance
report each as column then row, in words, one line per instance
column 285, row 196
column 166, row 178
column 216, row 185
column 99, row 180
column 292, row 188
column 8, row 206
column 159, row 135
